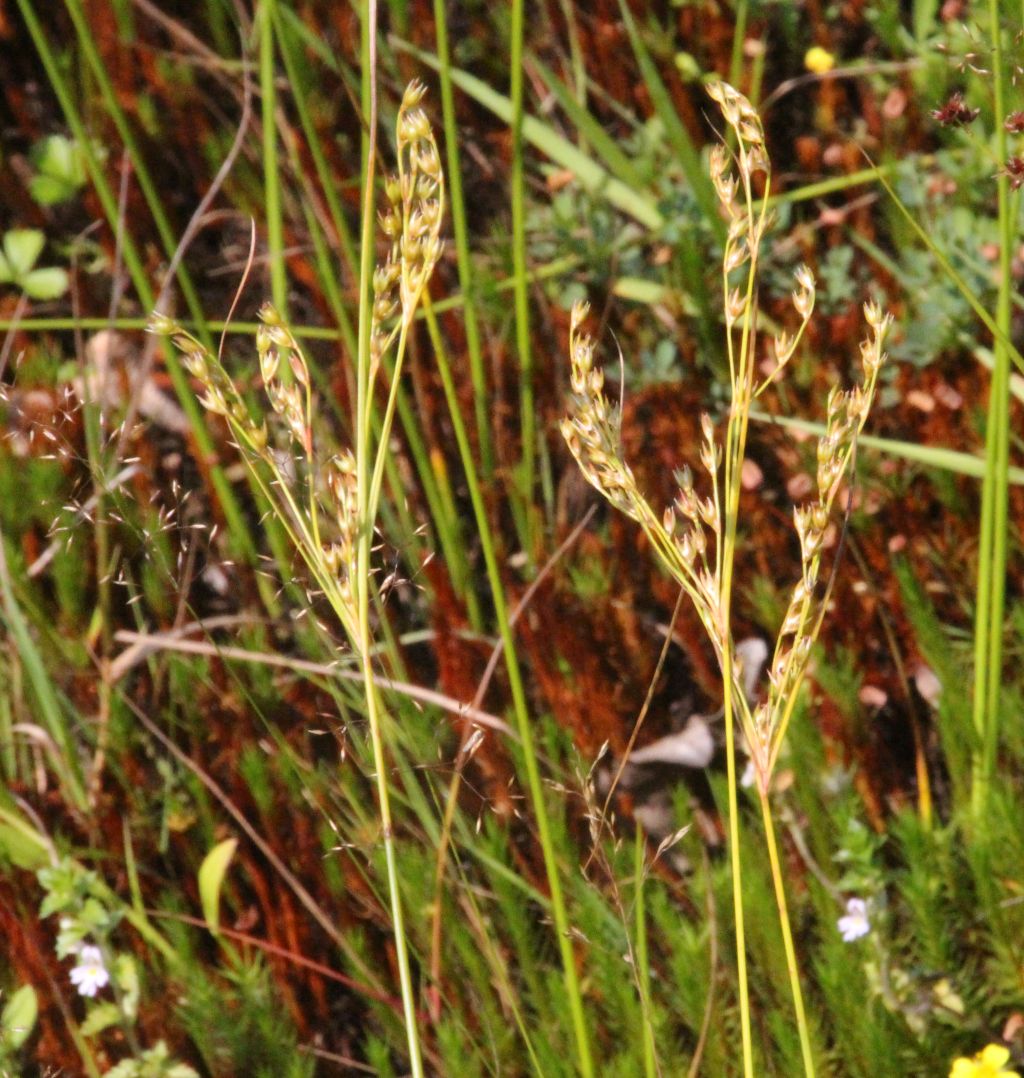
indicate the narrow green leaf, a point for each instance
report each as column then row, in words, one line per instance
column 51, row 714
column 211, row 878
column 609, row 150
column 949, row 460
column 588, row 172
column 686, row 152
column 18, row 1018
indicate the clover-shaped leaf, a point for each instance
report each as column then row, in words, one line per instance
column 21, row 248
column 19, row 253
column 100, row 1016
column 61, row 170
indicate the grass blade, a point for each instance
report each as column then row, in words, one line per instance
column 591, row 176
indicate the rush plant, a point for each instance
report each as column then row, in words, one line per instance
column 695, row 538
column 328, row 508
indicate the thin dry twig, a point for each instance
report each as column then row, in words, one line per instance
column 145, row 644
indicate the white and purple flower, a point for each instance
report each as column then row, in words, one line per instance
column 90, row 975
column 854, row 925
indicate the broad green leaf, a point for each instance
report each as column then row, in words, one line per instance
column 60, row 169
column 49, row 283
column 18, row 1018
column 101, row 1016
column 211, row 877
column 21, row 843
column 22, row 246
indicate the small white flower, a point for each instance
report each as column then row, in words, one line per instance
column 855, row 924
column 90, row 975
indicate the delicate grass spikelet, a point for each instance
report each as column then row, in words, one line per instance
column 694, row 537
column 319, row 504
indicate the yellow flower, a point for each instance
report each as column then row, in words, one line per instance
column 819, row 60
column 988, row 1063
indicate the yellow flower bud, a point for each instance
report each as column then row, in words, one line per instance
column 819, row 60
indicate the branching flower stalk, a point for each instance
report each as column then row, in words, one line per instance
column 695, row 538
column 329, row 509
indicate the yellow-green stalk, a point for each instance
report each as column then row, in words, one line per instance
column 695, row 538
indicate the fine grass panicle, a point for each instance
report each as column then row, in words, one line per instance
column 695, row 538
column 329, row 508
column 319, row 502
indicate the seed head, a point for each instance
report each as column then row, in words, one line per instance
column 161, row 324
column 955, row 112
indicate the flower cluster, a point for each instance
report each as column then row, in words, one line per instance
column 846, row 415
column 695, row 537
column 311, row 499
column 594, row 425
column 412, row 225
column 955, row 112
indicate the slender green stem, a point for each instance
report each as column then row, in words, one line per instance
column 363, row 577
column 787, row 934
column 988, row 632
column 87, row 42
column 643, row 968
column 328, row 182
column 741, row 372
column 522, row 309
column 739, row 39
column 558, row 268
column 271, row 166
column 736, row 862
column 462, row 254
column 523, row 725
